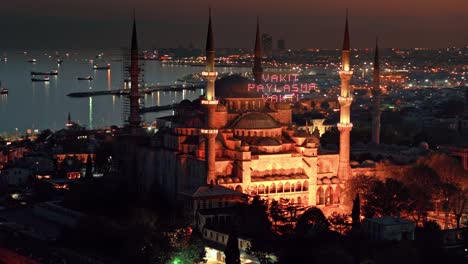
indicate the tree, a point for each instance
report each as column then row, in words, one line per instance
column 276, row 213
column 453, row 178
column 191, row 248
column 252, row 218
column 449, row 169
column 43, row 135
column 339, row 223
column 458, row 203
column 361, row 184
column 89, row 167
column 356, row 212
column 421, row 181
column 312, row 221
column 387, row 198
column 231, row 251
column 330, row 137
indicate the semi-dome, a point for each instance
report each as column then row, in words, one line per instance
column 235, row 86
column 335, row 180
column 255, row 121
column 313, row 139
column 185, row 104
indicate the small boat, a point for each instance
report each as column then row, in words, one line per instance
column 52, row 72
column 32, row 60
column 96, row 67
column 3, row 90
column 59, row 61
column 45, row 79
column 87, row 78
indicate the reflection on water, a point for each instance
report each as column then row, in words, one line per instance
column 90, row 119
column 3, row 100
column 109, row 79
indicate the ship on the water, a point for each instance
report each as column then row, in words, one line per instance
column 45, row 79
column 3, row 90
column 97, row 67
column 87, row 78
column 52, row 72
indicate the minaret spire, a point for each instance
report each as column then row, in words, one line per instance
column 210, row 52
column 134, row 34
column 346, row 44
column 210, row 104
column 376, row 97
column 345, row 99
column 134, row 119
column 257, row 69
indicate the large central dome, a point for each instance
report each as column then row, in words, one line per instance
column 255, row 121
column 235, row 86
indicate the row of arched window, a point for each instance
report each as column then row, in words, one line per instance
column 329, row 196
column 279, row 188
column 258, row 133
column 244, row 105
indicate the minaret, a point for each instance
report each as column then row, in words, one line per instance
column 345, row 99
column 69, row 123
column 376, row 98
column 134, row 119
column 257, row 69
column 210, row 103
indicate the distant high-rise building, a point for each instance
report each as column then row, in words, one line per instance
column 281, row 44
column 267, row 44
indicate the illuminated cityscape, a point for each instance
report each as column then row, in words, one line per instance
column 179, row 143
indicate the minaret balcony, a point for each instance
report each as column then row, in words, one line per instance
column 345, row 99
column 209, row 102
column 209, row 74
column 345, row 75
column 344, row 125
column 209, row 131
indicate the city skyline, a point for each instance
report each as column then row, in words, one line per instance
column 55, row 25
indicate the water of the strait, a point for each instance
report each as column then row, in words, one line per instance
column 41, row 105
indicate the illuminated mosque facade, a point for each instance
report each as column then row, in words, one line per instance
column 233, row 138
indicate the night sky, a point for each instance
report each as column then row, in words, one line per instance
column 104, row 24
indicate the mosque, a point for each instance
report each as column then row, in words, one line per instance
column 234, row 139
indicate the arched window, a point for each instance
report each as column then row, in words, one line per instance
column 299, row 200
column 287, row 187
column 261, row 189
column 293, row 188
column 337, row 195
column 239, row 188
column 253, row 190
column 298, row 186
column 280, row 187
column 329, row 196
column 305, row 186
column 320, row 196
column 273, row 188
column 267, row 189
